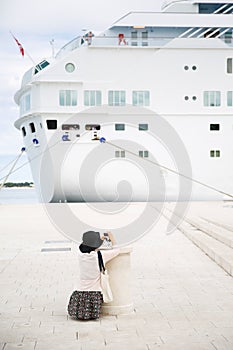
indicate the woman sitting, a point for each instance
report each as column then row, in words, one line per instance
column 85, row 304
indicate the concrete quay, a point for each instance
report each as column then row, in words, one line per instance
column 182, row 299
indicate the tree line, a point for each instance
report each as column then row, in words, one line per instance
column 18, row 184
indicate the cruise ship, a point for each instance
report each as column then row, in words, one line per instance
column 140, row 112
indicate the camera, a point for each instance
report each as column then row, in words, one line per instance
column 107, row 244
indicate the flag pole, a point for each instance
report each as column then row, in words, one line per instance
column 30, row 57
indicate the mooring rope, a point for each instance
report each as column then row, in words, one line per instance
column 12, row 168
column 12, row 171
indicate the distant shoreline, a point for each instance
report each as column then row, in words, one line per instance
column 19, row 188
column 23, row 185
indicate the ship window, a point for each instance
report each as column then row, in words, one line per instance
column 68, row 97
column 228, row 37
column 230, row 98
column 144, row 35
column 186, row 98
column 116, row 98
column 25, row 103
column 41, row 66
column 194, row 68
column 92, row 127
column 32, row 127
column 141, row 98
column 119, row 127
column 214, row 126
column 186, row 67
column 70, row 127
column 92, row 98
column 143, row 127
column 51, row 124
column 215, row 153
column 143, row 154
column 208, row 8
column 23, row 131
column 134, row 36
column 229, row 65
column 212, row 98
column 120, row 154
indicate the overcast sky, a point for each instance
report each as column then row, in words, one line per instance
column 34, row 24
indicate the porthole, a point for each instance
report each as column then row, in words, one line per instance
column 214, row 127
column 32, row 127
column 186, row 98
column 51, row 124
column 119, row 127
column 143, row 127
column 186, row 67
column 92, row 127
column 70, row 67
column 23, row 131
column 194, row 67
column 70, row 127
column 194, row 98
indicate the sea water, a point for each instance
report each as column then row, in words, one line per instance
column 18, row 196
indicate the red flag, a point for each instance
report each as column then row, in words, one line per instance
column 19, row 45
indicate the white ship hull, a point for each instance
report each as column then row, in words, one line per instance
column 164, row 162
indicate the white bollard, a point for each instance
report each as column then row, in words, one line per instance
column 119, row 270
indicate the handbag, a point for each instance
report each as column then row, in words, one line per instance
column 104, row 280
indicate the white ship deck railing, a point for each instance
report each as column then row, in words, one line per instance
column 112, row 41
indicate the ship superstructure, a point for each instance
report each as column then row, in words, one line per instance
column 157, row 87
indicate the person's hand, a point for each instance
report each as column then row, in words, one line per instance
column 111, row 237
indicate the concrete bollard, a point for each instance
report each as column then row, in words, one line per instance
column 119, row 270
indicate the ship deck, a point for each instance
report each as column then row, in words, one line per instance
column 182, row 298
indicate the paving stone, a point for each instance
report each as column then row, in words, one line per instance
column 126, row 345
column 8, row 336
column 189, row 346
column 23, row 325
column 92, row 345
column 24, row 346
column 58, row 345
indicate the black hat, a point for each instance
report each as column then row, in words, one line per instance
column 92, row 239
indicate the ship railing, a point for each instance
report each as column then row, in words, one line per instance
column 128, row 41
column 105, row 41
column 151, row 41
